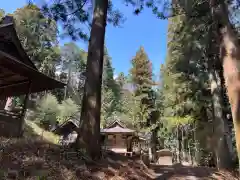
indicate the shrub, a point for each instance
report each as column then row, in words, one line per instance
column 67, row 109
column 47, row 111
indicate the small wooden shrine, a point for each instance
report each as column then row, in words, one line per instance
column 120, row 139
column 18, row 76
column 67, row 130
column 66, row 127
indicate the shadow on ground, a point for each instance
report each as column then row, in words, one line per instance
column 33, row 158
column 180, row 172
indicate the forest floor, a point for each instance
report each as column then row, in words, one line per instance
column 180, row 172
column 33, row 158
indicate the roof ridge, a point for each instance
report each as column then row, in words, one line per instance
column 116, row 121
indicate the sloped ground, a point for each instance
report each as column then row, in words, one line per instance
column 33, row 158
column 27, row 159
column 33, row 130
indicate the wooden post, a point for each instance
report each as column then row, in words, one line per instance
column 22, row 116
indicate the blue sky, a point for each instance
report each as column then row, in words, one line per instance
column 123, row 42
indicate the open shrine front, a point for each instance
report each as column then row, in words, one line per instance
column 119, row 143
column 18, row 77
column 120, row 139
column 12, row 118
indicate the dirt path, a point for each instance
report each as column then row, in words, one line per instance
column 167, row 171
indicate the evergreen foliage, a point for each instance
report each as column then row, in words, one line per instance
column 141, row 79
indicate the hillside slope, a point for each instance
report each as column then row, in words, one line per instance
column 38, row 156
column 29, row 159
column 34, row 157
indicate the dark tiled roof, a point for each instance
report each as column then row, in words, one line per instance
column 117, row 129
column 114, row 123
column 7, row 27
column 16, row 68
column 69, row 125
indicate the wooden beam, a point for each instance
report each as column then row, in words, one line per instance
column 2, row 68
column 7, row 76
column 16, row 60
column 14, row 84
column 9, row 48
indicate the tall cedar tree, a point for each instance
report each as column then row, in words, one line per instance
column 141, row 77
column 141, row 73
column 189, row 69
column 222, row 146
column 230, row 54
column 185, row 78
column 110, row 90
column 89, row 131
column 230, row 51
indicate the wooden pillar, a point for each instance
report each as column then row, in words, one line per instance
column 103, row 141
column 128, row 143
column 23, row 113
column 3, row 103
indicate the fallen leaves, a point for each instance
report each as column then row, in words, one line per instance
column 31, row 158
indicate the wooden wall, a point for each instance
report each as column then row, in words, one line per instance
column 10, row 126
column 116, row 142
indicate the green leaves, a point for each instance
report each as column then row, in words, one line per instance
column 49, row 110
column 75, row 15
column 38, row 36
column 173, row 122
column 145, row 114
column 2, row 13
column 71, row 56
column 141, row 73
column 67, row 109
column 111, row 91
column 184, row 75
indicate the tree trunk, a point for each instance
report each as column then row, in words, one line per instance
column 227, row 122
column 3, row 103
column 224, row 159
column 178, row 147
column 154, row 145
column 202, row 132
column 184, row 146
column 230, row 54
column 89, row 131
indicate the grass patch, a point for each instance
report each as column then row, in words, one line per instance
column 33, row 128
